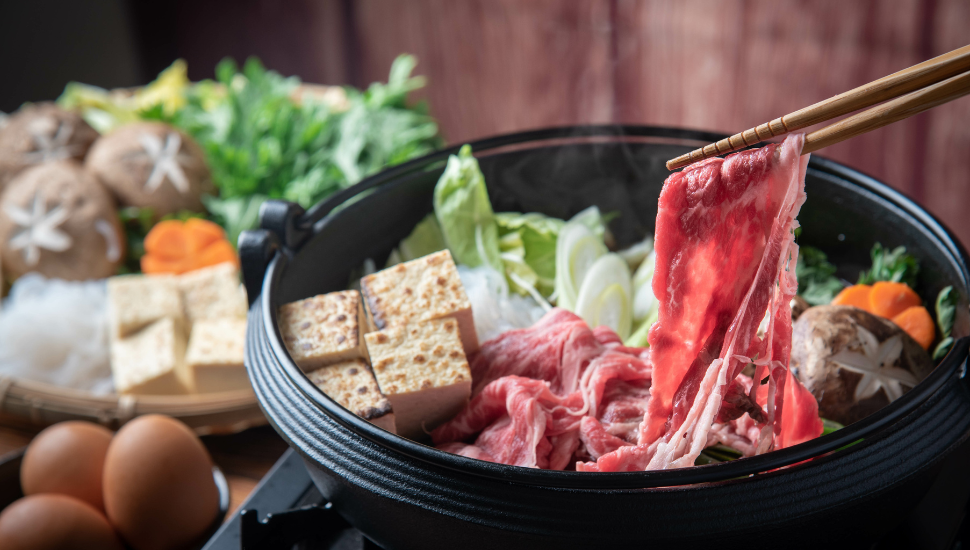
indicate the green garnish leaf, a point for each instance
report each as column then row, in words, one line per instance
column 817, row 283
column 891, row 265
column 943, row 348
column 946, row 309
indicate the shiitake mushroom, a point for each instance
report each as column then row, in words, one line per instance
column 56, row 219
column 151, row 164
column 40, row 133
column 854, row 362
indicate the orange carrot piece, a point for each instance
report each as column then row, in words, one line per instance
column 890, row 299
column 855, row 295
column 916, row 321
column 202, row 233
column 216, row 253
column 154, row 265
column 167, row 240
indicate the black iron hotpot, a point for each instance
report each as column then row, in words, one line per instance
column 404, row 494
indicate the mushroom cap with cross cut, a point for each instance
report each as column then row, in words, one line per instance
column 151, row 164
column 57, row 220
column 39, row 133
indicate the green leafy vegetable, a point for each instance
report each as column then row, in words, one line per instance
column 891, row 265
column 426, row 238
column 817, row 283
column 946, row 308
column 829, row 426
column 136, row 222
column 106, row 110
column 266, row 136
column 537, row 234
column 465, row 214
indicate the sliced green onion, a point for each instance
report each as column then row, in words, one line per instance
column 576, row 250
column 604, row 298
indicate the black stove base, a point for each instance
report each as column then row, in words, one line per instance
column 303, row 520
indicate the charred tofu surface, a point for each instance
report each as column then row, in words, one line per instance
column 422, row 370
column 324, row 329
column 352, row 384
column 420, row 290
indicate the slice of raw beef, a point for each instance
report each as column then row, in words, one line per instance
column 725, row 258
column 521, row 421
column 556, row 349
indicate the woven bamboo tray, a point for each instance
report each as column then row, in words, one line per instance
column 33, row 405
column 30, row 404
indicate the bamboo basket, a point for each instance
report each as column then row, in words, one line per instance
column 34, row 405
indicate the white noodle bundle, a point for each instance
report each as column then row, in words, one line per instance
column 56, row 331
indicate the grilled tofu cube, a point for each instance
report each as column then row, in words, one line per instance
column 422, row 370
column 420, row 290
column 213, row 293
column 352, row 384
column 215, row 355
column 151, row 361
column 324, row 329
column 136, row 301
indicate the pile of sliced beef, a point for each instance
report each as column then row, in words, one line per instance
column 559, row 395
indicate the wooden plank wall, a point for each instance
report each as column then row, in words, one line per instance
column 498, row 66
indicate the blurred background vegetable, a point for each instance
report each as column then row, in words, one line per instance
column 269, row 136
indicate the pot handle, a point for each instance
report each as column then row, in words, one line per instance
column 256, row 249
column 285, row 219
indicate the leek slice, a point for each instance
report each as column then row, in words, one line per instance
column 604, row 297
column 576, row 251
column 644, row 302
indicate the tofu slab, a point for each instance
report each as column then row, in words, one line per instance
column 422, row 370
column 212, row 293
column 324, row 329
column 151, row 361
column 136, row 301
column 215, row 355
column 420, row 290
column 352, row 384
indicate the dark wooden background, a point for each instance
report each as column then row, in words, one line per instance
column 498, row 66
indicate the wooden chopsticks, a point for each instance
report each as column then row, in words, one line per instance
column 911, row 91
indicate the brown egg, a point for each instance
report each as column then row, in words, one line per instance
column 55, row 522
column 67, row 458
column 158, row 487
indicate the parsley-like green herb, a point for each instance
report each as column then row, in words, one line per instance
column 891, row 265
column 946, row 309
column 817, row 283
column 136, row 222
column 266, row 138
